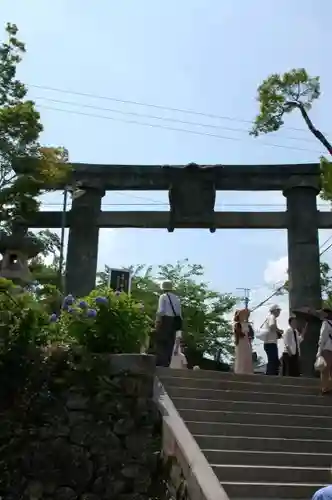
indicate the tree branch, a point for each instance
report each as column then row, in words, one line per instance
column 317, row 133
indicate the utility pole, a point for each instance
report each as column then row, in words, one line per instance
column 246, row 296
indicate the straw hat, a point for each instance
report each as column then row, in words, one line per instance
column 166, row 286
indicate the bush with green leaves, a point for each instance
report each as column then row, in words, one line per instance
column 24, row 327
column 24, row 320
column 103, row 322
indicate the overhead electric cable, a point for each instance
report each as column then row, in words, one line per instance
column 151, row 105
column 160, row 118
column 174, row 129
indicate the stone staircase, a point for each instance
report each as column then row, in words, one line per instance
column 264, row 437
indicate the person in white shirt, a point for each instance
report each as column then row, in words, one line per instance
column 179, row 360
column 273, row 333
column 168, row 323
column 325, row 350
column 292, row 338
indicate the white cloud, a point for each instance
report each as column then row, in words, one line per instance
column 275, row 273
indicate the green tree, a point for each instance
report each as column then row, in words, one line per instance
column 207, row 328
column 326, row 284
column 43, row 273
column 281, row 94
column 27, row 169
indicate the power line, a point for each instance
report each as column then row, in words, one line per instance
column 174, row 129
column 152, row 105
column 280, row 288
column 121, row 193
column 325, row 242
column 165, row 204
column 326, row 249
column 161, row 118
column 152, row 201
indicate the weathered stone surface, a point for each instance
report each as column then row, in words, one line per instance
column 65, row 493
column 77, row 402
column 89, row 496
column 91, row 439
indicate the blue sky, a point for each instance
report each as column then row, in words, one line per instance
column 204, row 55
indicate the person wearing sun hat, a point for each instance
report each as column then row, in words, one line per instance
column 168, row 324
column 273, row 333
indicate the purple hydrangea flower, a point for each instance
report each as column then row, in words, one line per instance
column 101, row 300
column 91, row 313
column 69, row 300
column 83, row 304
column 53, row 318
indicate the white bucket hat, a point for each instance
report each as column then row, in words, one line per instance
column 275, row 307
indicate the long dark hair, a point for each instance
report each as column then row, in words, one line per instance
column 236, row 318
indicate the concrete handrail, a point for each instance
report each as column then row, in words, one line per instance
column 178, row 442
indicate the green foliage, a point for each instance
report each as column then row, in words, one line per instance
column 23, row 319
column 326, row 283
column 281, row 94
column 49, row 297
column 45, row 274
column 24, row 326
column 50, row 242
column 32, row 323
column 105, row 322
column 26, row 168
column 206, row 327
column 325, row 280
column 326, row 179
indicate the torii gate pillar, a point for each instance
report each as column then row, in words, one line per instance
column 303, row 261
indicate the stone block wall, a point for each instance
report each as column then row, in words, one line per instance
column 83, row 428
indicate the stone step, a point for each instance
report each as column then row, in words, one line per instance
column 242, row 442
column 271, row 474
column 188, row 403
column 263, row 379
column 255, row 418
column 265, row 437
column 276, row 458
column 255, row 490
column 262, row 431
column 237, row 385
column 260, row 397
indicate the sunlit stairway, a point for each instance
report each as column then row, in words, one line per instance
column 265, row 437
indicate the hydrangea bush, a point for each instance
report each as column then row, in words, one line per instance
column 103, row 322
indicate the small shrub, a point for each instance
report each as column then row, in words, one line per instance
column 24, row 326
column 103, row 322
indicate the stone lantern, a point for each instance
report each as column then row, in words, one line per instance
column 16, row 250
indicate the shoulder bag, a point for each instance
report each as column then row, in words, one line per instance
column 177, row 318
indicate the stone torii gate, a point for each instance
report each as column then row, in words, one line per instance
column 192, row 191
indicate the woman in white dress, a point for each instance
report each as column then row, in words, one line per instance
column 243, row 351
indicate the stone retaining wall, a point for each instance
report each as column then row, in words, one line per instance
column 84, row 428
